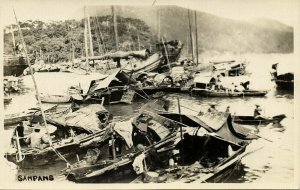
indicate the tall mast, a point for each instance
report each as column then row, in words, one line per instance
column 139, row 42
column 158, row 23
column 73, row 53
column 196, row 34
column 187, row 42
column 90, row 35
column 115, row 27
column 13, row 38
column 191, row 36
column 85, row 41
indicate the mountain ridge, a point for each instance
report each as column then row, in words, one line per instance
column 215, row 33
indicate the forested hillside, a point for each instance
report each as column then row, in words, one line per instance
column 55, row 40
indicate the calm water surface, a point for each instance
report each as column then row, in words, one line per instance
column 271, row 162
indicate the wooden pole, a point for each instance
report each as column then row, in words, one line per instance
column 139, row 42
column 191, row 36
column 158, row 23
column 196, row 34
column 90, row 36
column 166, row 52
column 85, row 42
column 113, row 146
column 73, row 53
column 181, row 133
column 19, row 147
column 187, row 42
column 33, row 78
column 115, row 27
column 13, row 38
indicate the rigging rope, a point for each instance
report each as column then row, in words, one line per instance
column 101, row 35
column 93, row 20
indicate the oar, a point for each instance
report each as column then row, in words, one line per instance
column 261, row 137
column 19, row 148
column 248, row 153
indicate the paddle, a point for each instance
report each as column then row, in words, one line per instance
column 261, row 137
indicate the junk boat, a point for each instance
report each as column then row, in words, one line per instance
column 146, row 61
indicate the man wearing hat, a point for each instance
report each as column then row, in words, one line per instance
column 257, row 111
column 36, row 138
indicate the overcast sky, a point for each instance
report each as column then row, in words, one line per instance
column 285, row 11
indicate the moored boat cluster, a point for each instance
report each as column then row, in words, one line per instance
column 154, row 145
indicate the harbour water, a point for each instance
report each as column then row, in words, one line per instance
column 269, row 162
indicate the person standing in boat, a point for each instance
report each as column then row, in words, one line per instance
column 274, row 71
column 36, row 139
column 227, row 109
column 218, row 82
column 20, row 130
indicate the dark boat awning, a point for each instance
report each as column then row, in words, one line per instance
column 220, row 123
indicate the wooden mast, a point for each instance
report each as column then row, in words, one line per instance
column 73, row 53
column 191, row 36
column 90, row 35
column 13, row 38
column 115, row 27
column 86, row 41
column 158, row 23
column 139, row 42
column 196, row 34
column 187, row 42
column 181, row 132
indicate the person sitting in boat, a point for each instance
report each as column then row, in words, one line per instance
column 212, row 108
column 235, row 88
column 19, row 134
column 232, row 87
column 36, row 139
column 257, row 111
column 245, row 85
